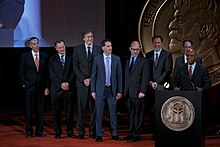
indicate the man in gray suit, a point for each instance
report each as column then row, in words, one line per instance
column 161, row 65
column 137, row 75
column 106, row 86
column 83, row 55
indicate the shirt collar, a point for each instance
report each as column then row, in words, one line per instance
column 33, row 53
column 107, row 56
column 158, row 51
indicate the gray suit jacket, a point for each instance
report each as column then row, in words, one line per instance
column 138, row 78
column 98, row 75
column 81, row 65
column 161, row 72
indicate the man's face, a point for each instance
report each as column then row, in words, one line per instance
column 187, row 46
column 60, row 47
column 34, row 45
column 135, row 49
column 190, row 56
column 107, row 48
column 88, row 38
column 157, row 43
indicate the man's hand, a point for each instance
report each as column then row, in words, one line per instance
column 87, row 82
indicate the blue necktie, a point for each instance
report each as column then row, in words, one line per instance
column 107, row 71
column 131, row 64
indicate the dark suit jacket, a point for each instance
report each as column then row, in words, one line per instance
column 59, row 75
column 138, row 79
column 29, row 77
column 200, row 78
column 81, row 66
column 180, row 60
column 98, row 75
column 162, row 71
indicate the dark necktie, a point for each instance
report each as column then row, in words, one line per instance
column 62, row 60
column 156, row 59
column 190, row 71
column 89, row 53
column 131, row 64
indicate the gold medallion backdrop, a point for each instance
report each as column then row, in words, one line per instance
column 177, row 20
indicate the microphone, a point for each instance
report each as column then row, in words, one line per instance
column 166, row 85
column 191, row 82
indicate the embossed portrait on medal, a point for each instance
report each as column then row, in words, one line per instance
column 197, row 20
column 177, row 20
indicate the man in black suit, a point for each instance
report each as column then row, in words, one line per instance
column 187, row 45
column 137, row 75
column 161, row 64
column 106, row 86
column 192, row 76
column 33, row 73
column 62, row 86
column 82, row 62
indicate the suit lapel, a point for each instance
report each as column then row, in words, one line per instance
column 102, row 63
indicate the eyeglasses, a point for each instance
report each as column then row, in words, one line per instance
column 134, row 49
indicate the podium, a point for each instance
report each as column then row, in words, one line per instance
column 178, row 119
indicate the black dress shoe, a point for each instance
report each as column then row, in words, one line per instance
column 70, row 135
column 129, row 137
column 134, row 138
column 29, row 135
column 58, row 136
column 81, row 136
column 40, row 134
column 99, row 139
column 92, row 136
column 116, row 138
column 218, row 132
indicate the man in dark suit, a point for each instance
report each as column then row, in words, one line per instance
column 33, row 73
column 161, row 64
column 137, row 75
column 106, row 86
column 62, row 86
column 82, row 62
column 187, row 45
column 192, row 76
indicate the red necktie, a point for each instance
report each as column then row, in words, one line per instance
column 36, row 61
column 190, row 71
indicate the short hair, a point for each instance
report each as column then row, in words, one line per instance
column 86, row 32
column 32, row 38
column 157, row 36
column 104, row 41
column 187, row 40
column 59, row 41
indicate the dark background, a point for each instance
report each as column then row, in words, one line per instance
column 122, row 17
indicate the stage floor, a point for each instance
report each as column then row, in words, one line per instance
column 12, row 133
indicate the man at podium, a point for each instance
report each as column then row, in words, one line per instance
column 192, row 76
